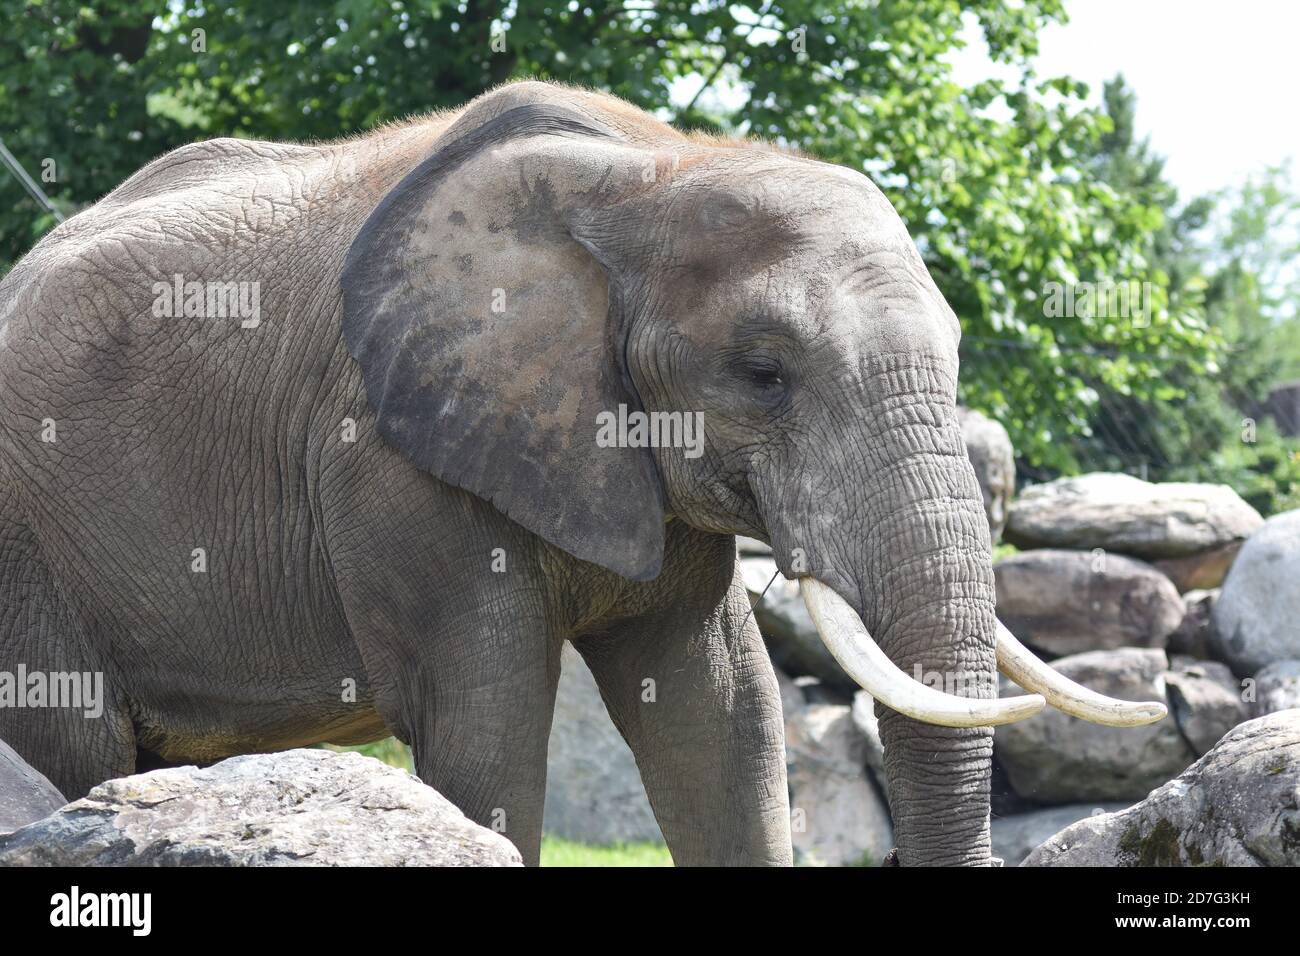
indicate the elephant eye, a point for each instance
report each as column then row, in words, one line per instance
column 765, row 374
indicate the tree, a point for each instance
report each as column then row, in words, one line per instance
column 1229, row 257
column 1252, row 299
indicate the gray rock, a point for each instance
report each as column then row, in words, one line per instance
column 1066, row 602
column 758, row 572
column 25, row 794
column 1277, row 687
column 816, row 691
column 837, row 816
column 792, row 698
column 1257, row 617
column 788, row 631
column 594, row 792
column 1015, row 836
column 1192, row 636
column 1239, row 805
column 988, row 446
column 1201, row 571
column 1206, row 701
column 1127, row 515
column 297, row 808
column 1054, row 758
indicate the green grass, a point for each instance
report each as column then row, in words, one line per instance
column 560, row 852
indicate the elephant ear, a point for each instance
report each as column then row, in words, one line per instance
column 488, row 337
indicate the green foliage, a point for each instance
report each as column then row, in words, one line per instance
column 1266, row 472
column 992, row 179
column 1254, row 290
column 560, row 852
column 1251, row 299
column 1228, row 258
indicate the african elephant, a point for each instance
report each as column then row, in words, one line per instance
column 371, row 496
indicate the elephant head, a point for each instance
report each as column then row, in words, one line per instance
column 550, row 266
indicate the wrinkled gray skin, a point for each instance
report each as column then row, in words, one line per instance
column 631, row 265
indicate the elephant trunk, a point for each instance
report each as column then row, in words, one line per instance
column 899, row 551
column 936, row 621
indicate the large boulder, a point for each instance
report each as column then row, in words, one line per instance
column 1055, row 758
column 1239, row 805
column 1125, row 514
column 1015, row 836
column 594, row 792
column 1066, row 602
column 1257, row 617
column 1277, row 687
column 988, row 446
column 837, row 816
column 25, row 794
column 297, row 808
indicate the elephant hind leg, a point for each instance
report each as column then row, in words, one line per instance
column 60, row 708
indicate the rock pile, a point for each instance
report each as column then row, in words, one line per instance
column 1101, row 593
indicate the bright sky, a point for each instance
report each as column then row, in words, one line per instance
column 1216, row 81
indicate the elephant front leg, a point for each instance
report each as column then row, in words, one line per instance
column 467, row 677
column 695, row 697
column 481, row 739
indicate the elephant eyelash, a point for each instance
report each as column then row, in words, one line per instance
column 767, row 375
column 760, row 366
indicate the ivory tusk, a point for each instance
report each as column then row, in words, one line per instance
column 1022, row 666
column 846, row 637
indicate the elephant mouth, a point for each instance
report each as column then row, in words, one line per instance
column 849, row 642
